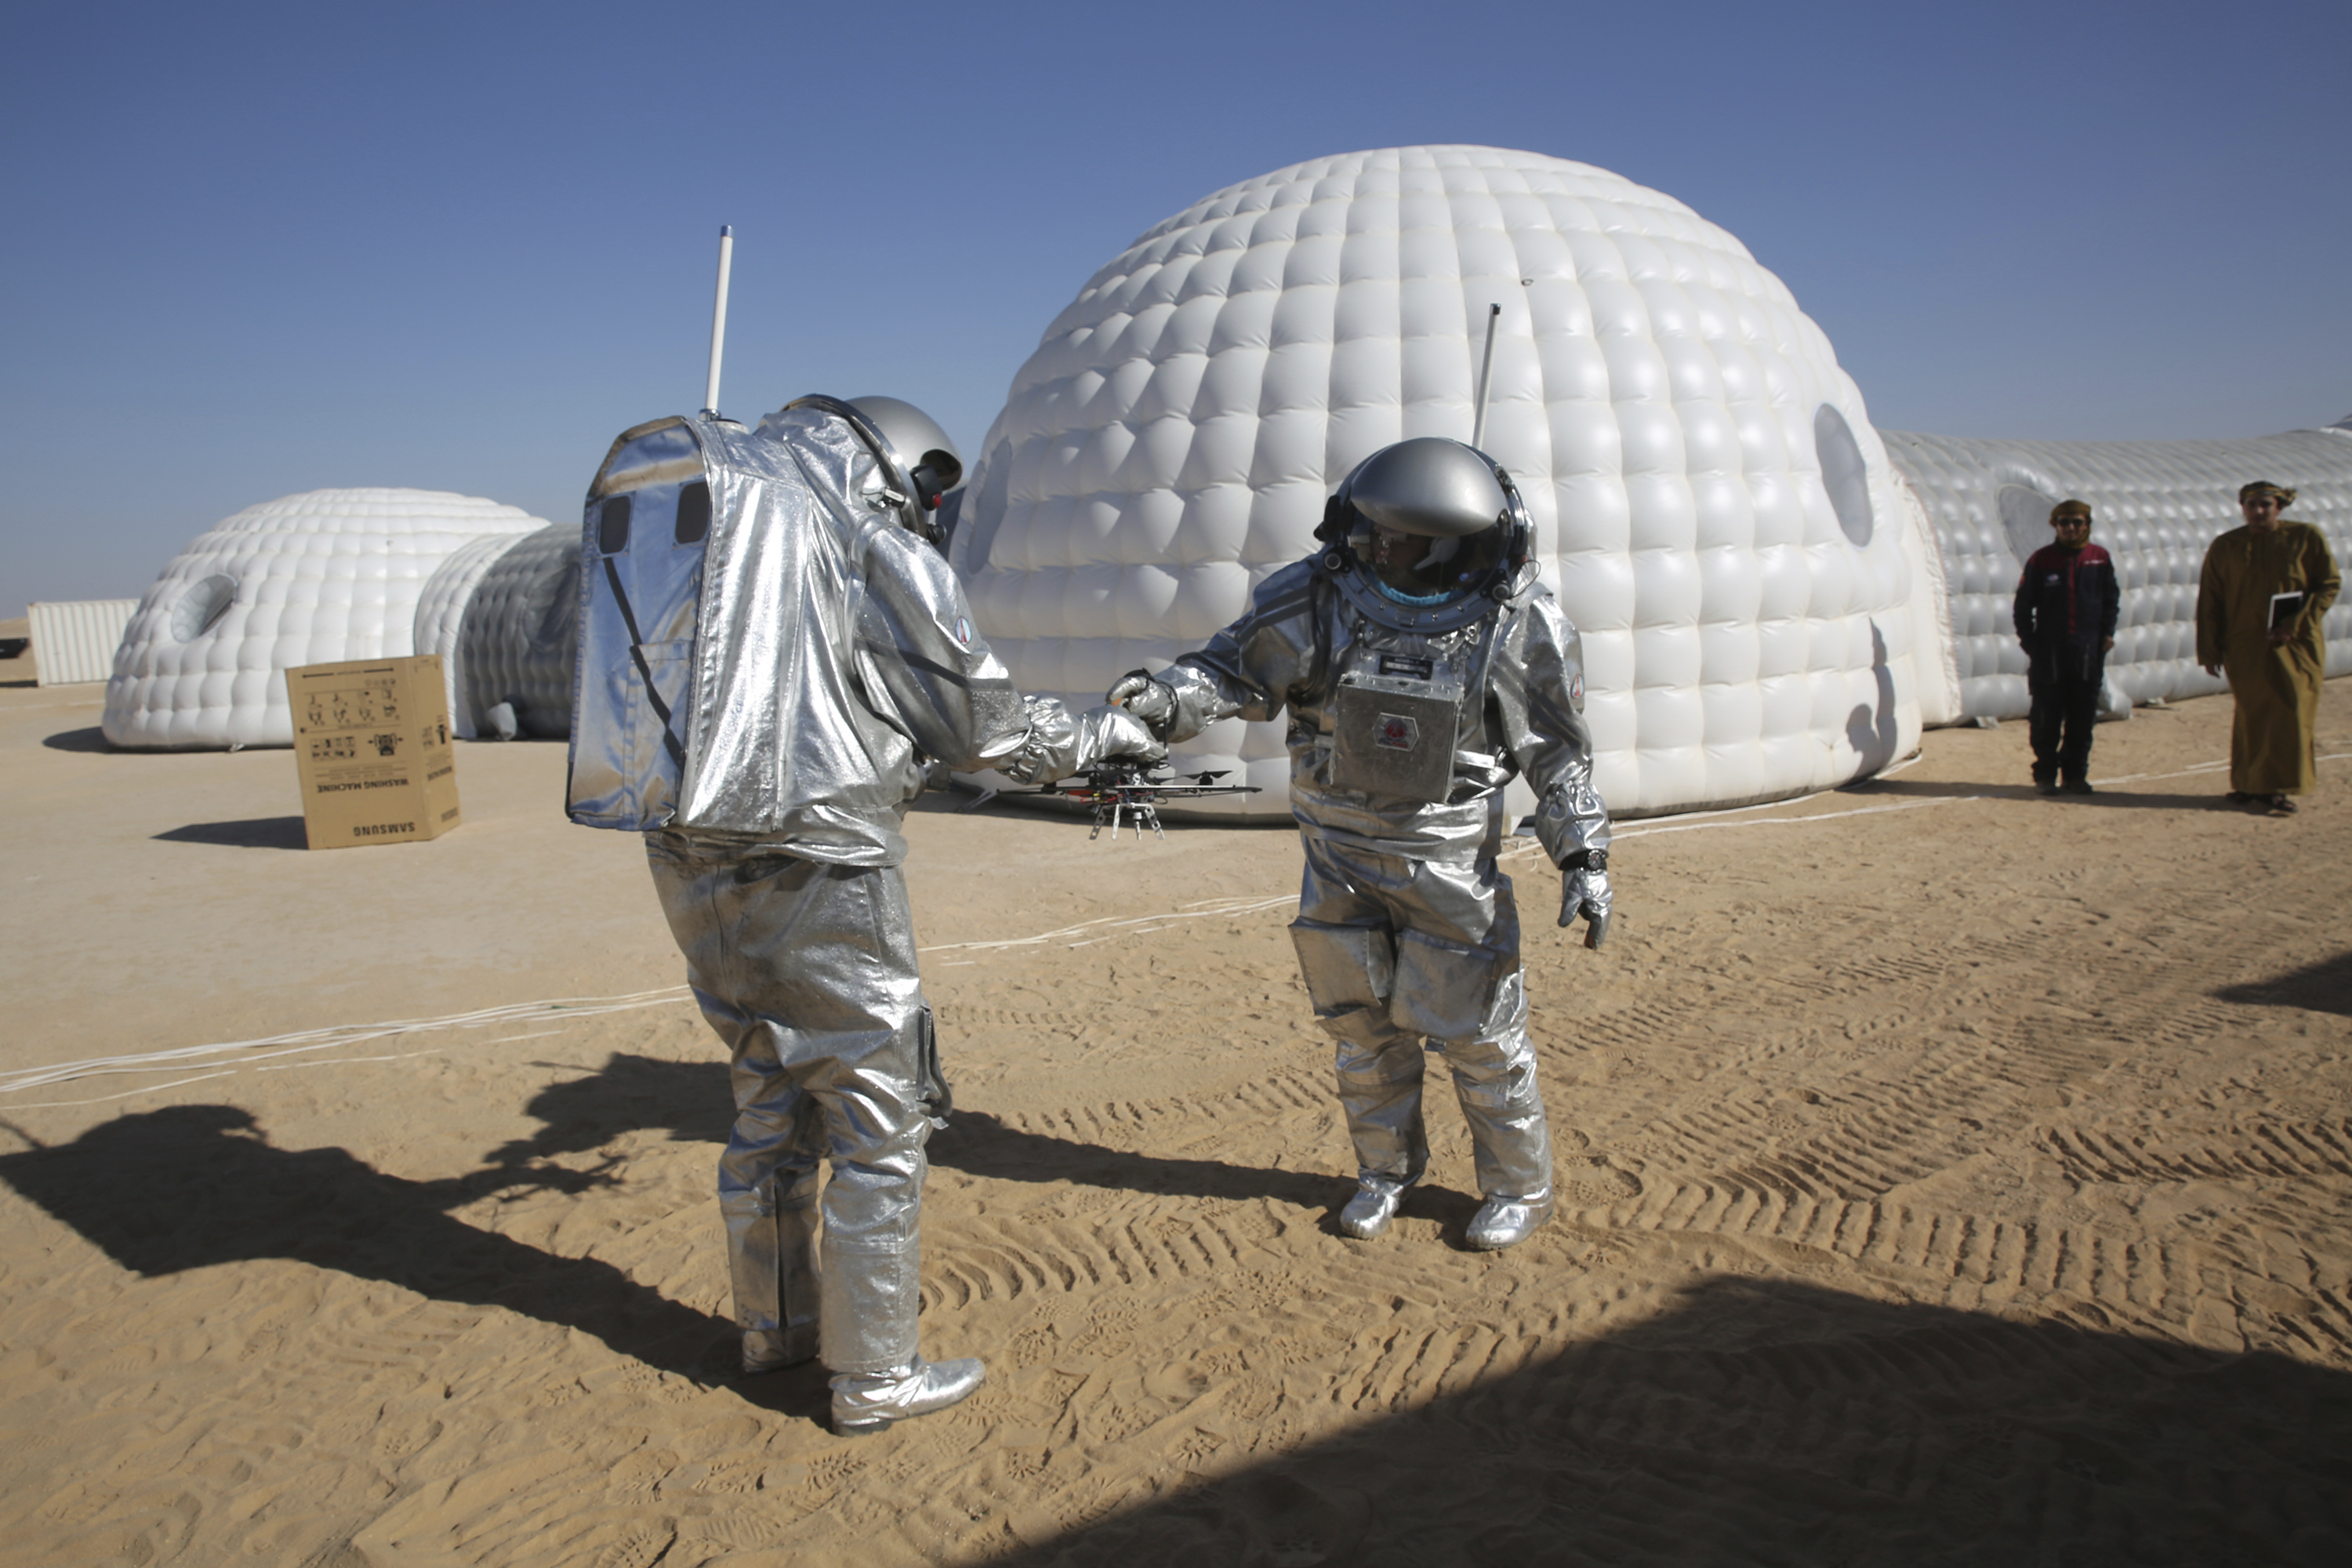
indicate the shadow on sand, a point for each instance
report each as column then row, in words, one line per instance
column 196, row 1186
column 1774, row 1422
column 691, row 1100
column 93, row 739
column 2322, row 988
column 2115, row 798
column 1754, row 1421
column 253, row 833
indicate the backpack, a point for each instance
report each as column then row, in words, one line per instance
column 644, row 535
column 702, row 546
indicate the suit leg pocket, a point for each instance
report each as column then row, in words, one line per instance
column 1443, row 990
column 1347, row 969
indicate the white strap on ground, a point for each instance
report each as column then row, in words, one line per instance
column 1086, row 934
column 308, row 1040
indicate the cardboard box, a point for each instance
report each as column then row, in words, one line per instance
column 371, row 748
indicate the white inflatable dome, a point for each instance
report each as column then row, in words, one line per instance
column 309, row 579
column 1760, row 600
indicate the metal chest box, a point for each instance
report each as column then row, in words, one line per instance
column 1394, row 738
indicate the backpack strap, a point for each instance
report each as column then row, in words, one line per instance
column 670, row 742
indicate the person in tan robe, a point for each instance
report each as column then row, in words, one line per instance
column 2274, row 672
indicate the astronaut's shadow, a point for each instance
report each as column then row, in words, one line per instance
column 192, row 1186
column 691, row 1100
column 195, row 1186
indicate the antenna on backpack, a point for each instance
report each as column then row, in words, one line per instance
column 718, row 321
column 1486, row 373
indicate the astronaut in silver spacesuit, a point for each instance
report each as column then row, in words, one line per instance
column 771, row 652
column 1423, row 666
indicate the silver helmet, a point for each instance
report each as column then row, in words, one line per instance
column 1425, row 533
column 921, row 458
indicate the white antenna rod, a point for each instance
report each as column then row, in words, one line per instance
column 718, row 320
column 1485, row 373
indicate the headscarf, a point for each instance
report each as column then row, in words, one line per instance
column 2262, row 488
column 2081, row 508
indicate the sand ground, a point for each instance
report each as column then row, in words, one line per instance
column 1949, row 1174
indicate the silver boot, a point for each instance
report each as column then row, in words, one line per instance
column 771, row 1349
column 771, row 1248
column 1376, row 1202
column 866, row 1402
column 1505, row 1222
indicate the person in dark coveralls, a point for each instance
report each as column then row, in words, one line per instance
column 2067, row 601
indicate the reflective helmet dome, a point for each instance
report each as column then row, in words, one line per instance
column 918, row 444
column 924, row 463
column 1429, row 524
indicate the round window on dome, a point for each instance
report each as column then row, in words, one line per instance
column 202, row 605
column 1844, row 473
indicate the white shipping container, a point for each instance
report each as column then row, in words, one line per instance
column 74, row 641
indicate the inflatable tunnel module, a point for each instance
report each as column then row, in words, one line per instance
column 520, row 631
column 441, row 614
column 1759, row 612
column 2155, row 506
column 317, row 578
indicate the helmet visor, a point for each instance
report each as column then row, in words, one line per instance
column 1425, row 569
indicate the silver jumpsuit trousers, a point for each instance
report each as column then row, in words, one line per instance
column 1395, row 950
column 807, row 971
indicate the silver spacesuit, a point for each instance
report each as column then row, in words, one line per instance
column 1423, row 666
column 770, row 648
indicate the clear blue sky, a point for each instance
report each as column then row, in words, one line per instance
column 249, row 250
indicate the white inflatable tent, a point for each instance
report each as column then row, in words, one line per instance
column 2155, row 505
column 521, row 632
column 307, row 578
column 1760, row 601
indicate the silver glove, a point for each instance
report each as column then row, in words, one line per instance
column 1107, row 731
column 1584, row 890
column 1153, row 701
column 1061, row 742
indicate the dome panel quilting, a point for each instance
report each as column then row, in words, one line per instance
column 315, row 578
column 1655, row 393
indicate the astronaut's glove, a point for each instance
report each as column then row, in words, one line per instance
column 1107, row 731
column 1584, row 890
column 1153, row 701
column 1049, row 751
column 1060, row 743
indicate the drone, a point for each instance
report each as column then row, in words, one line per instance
column 1121, row 789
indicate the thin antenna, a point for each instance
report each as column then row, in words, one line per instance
column 1486, row 373
column 719, row 321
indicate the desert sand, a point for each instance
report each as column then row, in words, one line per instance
column 1950, row 1175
